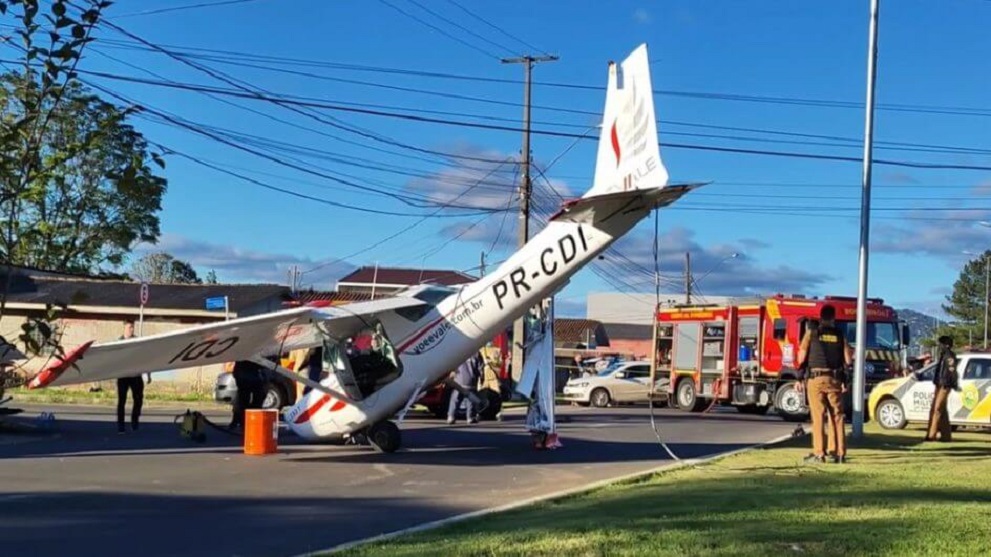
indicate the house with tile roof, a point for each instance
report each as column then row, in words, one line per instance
column 95, row 308
column 375, row 280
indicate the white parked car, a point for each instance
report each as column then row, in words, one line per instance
column 621, row 382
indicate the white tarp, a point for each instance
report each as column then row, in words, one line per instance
column 537, row 380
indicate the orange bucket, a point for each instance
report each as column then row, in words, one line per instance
column 261, row 431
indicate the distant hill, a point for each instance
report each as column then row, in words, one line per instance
column 920, row 326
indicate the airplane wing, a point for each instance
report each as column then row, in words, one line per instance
column 215, row 343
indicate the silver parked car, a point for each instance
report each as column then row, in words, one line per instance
column 620, row 382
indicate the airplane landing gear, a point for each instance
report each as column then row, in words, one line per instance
column 385, row 437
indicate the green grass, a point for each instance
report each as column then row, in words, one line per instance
column 107, row 396
column 895, row 496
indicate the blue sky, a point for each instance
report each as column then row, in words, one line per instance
column 793, row 221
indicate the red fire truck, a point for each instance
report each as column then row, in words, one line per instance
column 743, row 354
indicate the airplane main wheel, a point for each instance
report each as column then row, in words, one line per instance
column 385, row 437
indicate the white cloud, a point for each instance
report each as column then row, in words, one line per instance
column 901, row 178
column 716, row 272
column 945, row 235
column 754, row 244
column 489, row 185
column 982, row 189
column 472, row 183
column 235, row 264
column 575, row 308
column 641, row 16
column 629, row 264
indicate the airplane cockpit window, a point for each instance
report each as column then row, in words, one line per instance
column 431, row 295
column 434, row 295
column 373, row 360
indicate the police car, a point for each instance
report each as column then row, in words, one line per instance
column 897, row 402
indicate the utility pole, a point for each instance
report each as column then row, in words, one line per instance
column 482, row 266
column 688, row 277
column 524, row 230
column 294, row 276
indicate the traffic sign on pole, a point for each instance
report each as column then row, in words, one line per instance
column 143, row 298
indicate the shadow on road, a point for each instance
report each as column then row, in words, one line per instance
column 103, row 523
column 480, row 445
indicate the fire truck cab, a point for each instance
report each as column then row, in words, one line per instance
column 744, row 354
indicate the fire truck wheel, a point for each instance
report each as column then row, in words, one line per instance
column 790, row 403
column 385, row 437
column 599, row 398
column 687, row 397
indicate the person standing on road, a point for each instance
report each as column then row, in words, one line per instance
column 825, row 354
column 467, row 377
column 135, row 384
column 249, row 380
column 946, row 379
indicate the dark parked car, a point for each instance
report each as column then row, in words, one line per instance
column 280, row 391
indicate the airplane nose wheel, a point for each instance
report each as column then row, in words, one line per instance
column 385, row 437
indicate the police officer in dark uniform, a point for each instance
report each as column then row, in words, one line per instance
column 249, row 378
column 946, row 379
column 825, row 355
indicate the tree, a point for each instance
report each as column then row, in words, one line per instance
column 966, row 303
column 211, row 277
column 96, row 196
column 32, row 159
column 163, row 268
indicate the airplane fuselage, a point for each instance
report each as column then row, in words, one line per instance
column 458, row 326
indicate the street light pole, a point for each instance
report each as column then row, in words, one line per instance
column 865, row 224
column 987, row 295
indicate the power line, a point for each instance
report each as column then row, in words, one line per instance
column 186, row 7
column 900, row 107
column 497, row 28
column 211, row 135
column 441, row 154
column 894, row 146
column 254, row 93
column 407, row 228
column 476, row 99
column 549, row 133
column 438, row 29
column 459, row 26
column 258, row 139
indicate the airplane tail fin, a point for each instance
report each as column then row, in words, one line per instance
column 629, row 157
column 629, row 172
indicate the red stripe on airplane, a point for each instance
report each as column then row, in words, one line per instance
column 312, row 410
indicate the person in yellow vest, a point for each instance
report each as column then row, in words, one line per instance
column 825, row 355
column 310, row 361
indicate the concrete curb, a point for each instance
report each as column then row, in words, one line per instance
column 671, row 466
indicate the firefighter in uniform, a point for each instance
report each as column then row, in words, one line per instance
column 945, row 379
column 825, row 355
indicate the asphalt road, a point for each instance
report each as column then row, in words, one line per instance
column 84, row 490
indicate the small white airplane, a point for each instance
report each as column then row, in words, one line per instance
column 420, row 335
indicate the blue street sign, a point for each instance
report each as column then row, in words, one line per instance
column 216, row 302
